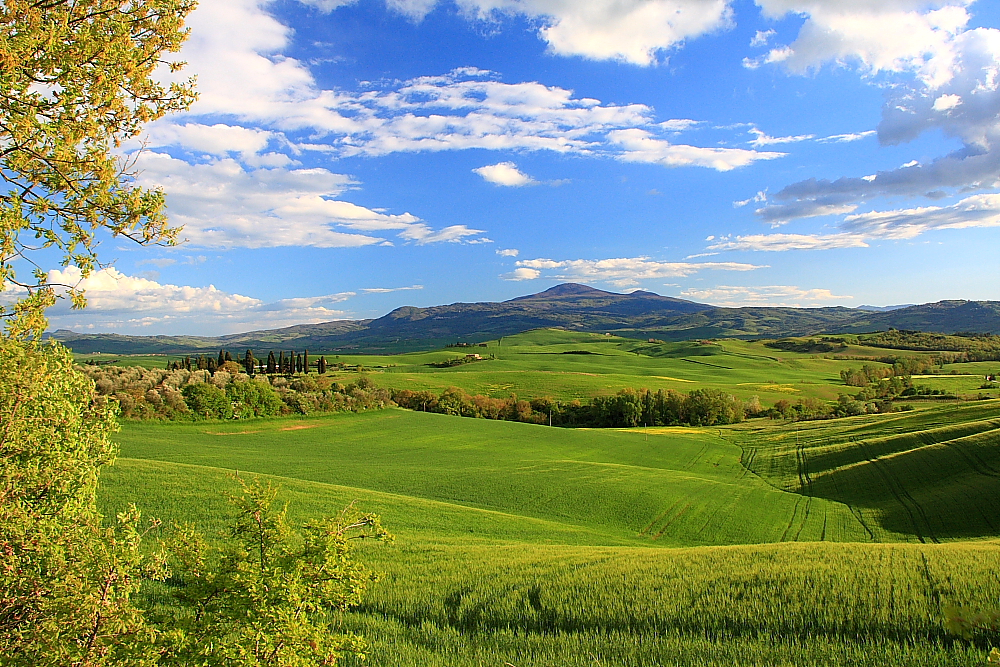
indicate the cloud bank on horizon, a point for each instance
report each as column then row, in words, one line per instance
column 338, row 144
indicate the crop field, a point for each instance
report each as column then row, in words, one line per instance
column 928, row 475
column 569, row 365
column 832, row 542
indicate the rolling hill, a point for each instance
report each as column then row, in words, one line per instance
column 569, row 306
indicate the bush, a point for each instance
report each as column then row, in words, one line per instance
column 253, row 399
column 208, row 401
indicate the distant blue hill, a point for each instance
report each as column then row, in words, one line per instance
column 884, row 309
column 568, row 306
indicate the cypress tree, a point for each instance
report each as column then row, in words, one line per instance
column 201, row 364
column 305, row 361
column 271, row 364
column 248, row 363
column 229, row 357
column 321, row 365
column 281, row 361
column 187, row 363
column 222, row 359
column 298, row 363
column 212, row 366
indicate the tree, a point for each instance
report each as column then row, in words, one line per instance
column 253, row 399
column 65, row 581
column 305, row 361
column 207, row 400
column 77, row 80
column 321, row 365
column 271, row 363
column 270, row 596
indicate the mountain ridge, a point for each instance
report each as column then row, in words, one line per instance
column 571, row 306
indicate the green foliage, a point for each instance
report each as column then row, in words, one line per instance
column 253, row 399
column 208, row 401
column 77, row 80
column 66, row 582
column 270, row 596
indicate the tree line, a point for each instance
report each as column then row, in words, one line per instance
column 626, row 408
column 283, row 364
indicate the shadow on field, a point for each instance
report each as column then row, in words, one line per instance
column 936, row 484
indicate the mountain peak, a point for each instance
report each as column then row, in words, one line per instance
column 568, row 289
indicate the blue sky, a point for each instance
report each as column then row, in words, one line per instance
column 348, row 157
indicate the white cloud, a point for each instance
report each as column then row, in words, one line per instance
column 946, row 102
column 953, row 87
column 130, row 304
column 386, row 290
column 522, row 274
column 892, row 36
column 641, row 146
column 762, row 37
column 504, row 173
column 783, row 242
column 762, row 139
column 633, row 31
column 974, row 211
column 786, row 296
column 508, row 252
column 761, row 196
column 218, row 139
column 464, row 109
column 845, row 138
column 622, row 271
column 858, row 230
column 221, row 204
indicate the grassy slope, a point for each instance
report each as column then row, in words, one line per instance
column 526, row 545
column 671, row 486
column 928, row 475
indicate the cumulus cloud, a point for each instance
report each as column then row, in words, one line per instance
column 508, row 252
column 131, row 304
column 467, row 108
column 522, row 274
column 787, row 296
column 954, row 88
column 633, row 31
column 640, row 145
column 504, row 173
column 222, row 204
column 622, row 271
column 894, row 36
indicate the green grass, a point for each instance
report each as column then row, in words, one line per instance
column 668, row 486
column 928, row 475
column 528, row 545
column 540, row 363
column 144, row 360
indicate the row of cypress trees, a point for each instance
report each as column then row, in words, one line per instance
column 286, row 364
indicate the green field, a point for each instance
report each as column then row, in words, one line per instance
column 573, row 365
column 763, row 543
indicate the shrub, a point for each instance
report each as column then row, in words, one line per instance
column 207, row 400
